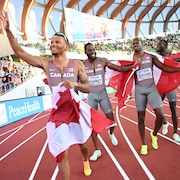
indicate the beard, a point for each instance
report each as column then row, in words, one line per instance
column 160, row 50
column 92, row 58
column 136, row 48
column 55, row 54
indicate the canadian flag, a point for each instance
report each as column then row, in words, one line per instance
column 166, row 82
column 71, row 121
column 123, row 82
column 174, row 55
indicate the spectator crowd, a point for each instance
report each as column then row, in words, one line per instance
column 14, row 73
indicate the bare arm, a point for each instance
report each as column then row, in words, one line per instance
column 30, row 59
column 177, row 59
column 163, row 67
column 117, row 67
column 83, row 84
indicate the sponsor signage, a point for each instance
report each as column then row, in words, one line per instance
column 11, row 111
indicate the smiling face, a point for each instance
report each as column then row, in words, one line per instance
column 137, row 45
column 161, row 47
column 58, row 45
column 90, row 52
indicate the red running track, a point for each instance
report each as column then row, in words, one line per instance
column 25, row 156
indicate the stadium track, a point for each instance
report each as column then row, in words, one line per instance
column 25, row 155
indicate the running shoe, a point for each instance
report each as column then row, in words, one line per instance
column 113, row 139
column 154, row 140
column 96, row 155
column 165, row 128
column 144, row 149
column 87, row 168
column 176, row 137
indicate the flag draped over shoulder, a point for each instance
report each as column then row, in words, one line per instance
column 72, row 121
column 123, row 82
column 166, row 82
column 174, row 55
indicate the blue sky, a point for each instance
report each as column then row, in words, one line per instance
column 56, row 14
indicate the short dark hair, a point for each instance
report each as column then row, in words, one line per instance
column 138, row 39
column 164, row 42
column 62, row 35
column 87, row 44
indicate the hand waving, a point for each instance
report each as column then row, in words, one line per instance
column 5, row 20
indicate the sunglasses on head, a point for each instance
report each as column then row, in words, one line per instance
column 63, row 35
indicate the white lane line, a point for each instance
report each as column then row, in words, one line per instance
column 7, row 154
column 30, row 121
column 55, row 173
column 4, row 140
column 120, row 169
column 159, row 134
column 152, row 113
column 31, row 177
column 18, row 129
column 146, row 170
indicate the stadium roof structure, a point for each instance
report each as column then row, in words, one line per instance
column 41, row 18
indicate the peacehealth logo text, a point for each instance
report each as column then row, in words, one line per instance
column 26, row 107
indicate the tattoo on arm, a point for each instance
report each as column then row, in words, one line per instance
column 82, row 76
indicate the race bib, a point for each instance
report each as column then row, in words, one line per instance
column 95, row 80
column 144, row 74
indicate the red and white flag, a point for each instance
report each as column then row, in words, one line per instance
column 72, row 121
column 166, row 82
column 174, row 55
column 123, row 82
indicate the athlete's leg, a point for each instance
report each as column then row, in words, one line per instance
column 174, row 115
column 159, row 120
column 156, row 103
column 141, row 102
column 106, row 107
column 93, row 102
column 84, row 151
column 64, row 167
column 141, row 126
column 111, row 117
column 172, row 97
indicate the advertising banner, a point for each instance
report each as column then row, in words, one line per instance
column 82, row 26
column 11, row 111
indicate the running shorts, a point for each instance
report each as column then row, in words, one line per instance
column 171, row 96
column 100, row 97
column 147, row 94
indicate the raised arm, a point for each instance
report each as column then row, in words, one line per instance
column 30, row 59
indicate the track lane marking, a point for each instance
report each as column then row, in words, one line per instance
column 119, row 167
column 31, row 177
column 141, row 163
column 11, row 151
column 24, row 124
